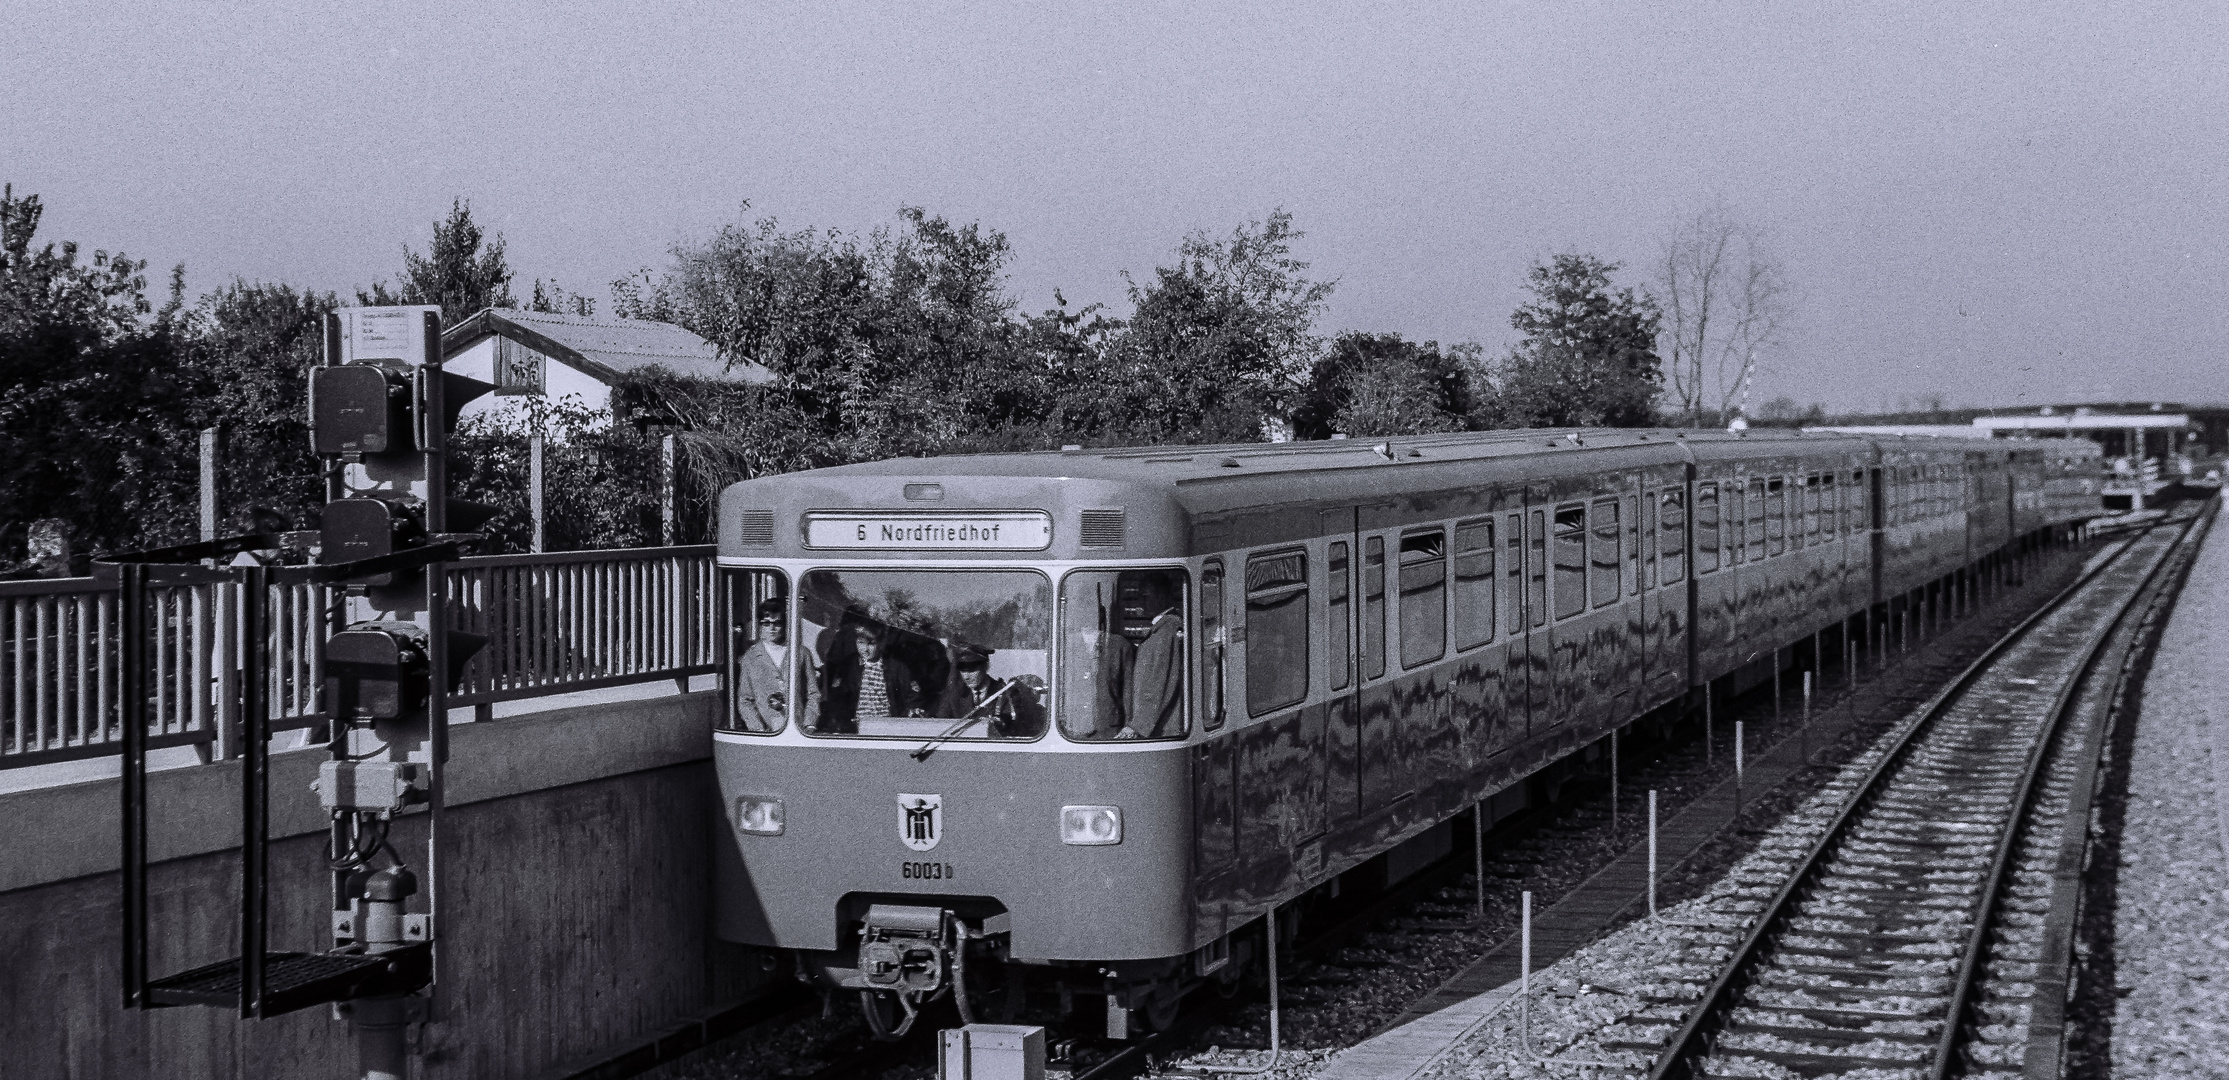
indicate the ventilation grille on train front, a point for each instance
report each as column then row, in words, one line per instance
column 755, row 528
column 1102, row 529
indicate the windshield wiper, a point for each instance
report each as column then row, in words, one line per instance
column 965, row 722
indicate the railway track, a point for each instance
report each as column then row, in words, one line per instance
column 1904, row 940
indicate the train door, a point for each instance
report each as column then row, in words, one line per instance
column 1516, row 694
column 1343, row 666
column 1664, row 594
column 1214, row 769
column 1568, row 625
column 1383, row 760
column 1636, row 581
column 1538, row 686
column 1603, row 665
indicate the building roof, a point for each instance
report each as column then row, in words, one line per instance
column 604, row 348
column 1944, row 431
column 2083, row 421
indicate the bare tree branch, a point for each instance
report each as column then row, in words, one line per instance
column 1725, row 299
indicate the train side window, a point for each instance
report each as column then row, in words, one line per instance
column 1515, row 571
column 1474, row 584
column 1776, row 517
column 1672, row 521
column 1603, row 553
column 1276, row 631
column 1124, row 653
column 1811, row 509
column 1830, row 507
column 1423, row 597
column 1373, row 607
column 1341, row 624
column 1214, row 644
column 1571, row 560
column 1706, row 528
column 1753, row 530
column 1854, row 520
column 1794, row 512
column 1536, row 568
column 1647, row 546
column 762, row 668
column 1736, row 516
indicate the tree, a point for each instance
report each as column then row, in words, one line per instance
column 95, row 423
column 1588, row 357
column 1382, row 384
column 1725, row 299
column 463, row 271
column 554, row 300
column 251, row 348
column 1785, row 411
column 1218, row 345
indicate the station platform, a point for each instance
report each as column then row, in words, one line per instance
column 2169, row 962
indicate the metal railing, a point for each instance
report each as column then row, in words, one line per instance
column 557, row 623
column 582, row 620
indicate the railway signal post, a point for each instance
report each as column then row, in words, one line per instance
column 380, row 410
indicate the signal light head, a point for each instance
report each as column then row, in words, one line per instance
column 374, row 671
column 356, row 529
column 359, row 409
column 380, row 670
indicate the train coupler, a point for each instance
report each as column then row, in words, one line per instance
column 905, row 953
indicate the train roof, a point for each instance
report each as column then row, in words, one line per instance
column 1188, row 495
column 1183, row 464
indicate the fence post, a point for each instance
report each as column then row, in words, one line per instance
column 534, row 487
column 665, row 471
column 685, row 608
column 226, row 716
column 211, row 446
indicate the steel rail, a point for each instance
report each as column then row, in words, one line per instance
column 1678, row 1059
column 2001, row 867
column 2047, row 1012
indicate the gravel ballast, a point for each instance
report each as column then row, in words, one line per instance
column 2170, row 929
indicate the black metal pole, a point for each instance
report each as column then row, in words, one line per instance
column 131, row 714
column 255, row 784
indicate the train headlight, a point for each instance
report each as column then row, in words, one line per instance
column 1091, row 826
column 759, row 815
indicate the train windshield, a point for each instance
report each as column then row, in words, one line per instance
column 920, row 653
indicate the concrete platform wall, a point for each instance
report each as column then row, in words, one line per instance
column 574, row 915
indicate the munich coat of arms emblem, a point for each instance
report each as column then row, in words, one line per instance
column 920, row 820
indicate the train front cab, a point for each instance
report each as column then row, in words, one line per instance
column 891, row 848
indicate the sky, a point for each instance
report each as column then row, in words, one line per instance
column 2003, row 204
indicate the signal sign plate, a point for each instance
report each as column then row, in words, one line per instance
column 385, row 333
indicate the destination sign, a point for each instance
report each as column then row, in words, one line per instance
column 1018, row 530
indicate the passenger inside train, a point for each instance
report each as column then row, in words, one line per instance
column 1124, row 632
column 907, row 653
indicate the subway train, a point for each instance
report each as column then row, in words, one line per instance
column 1007, row 726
